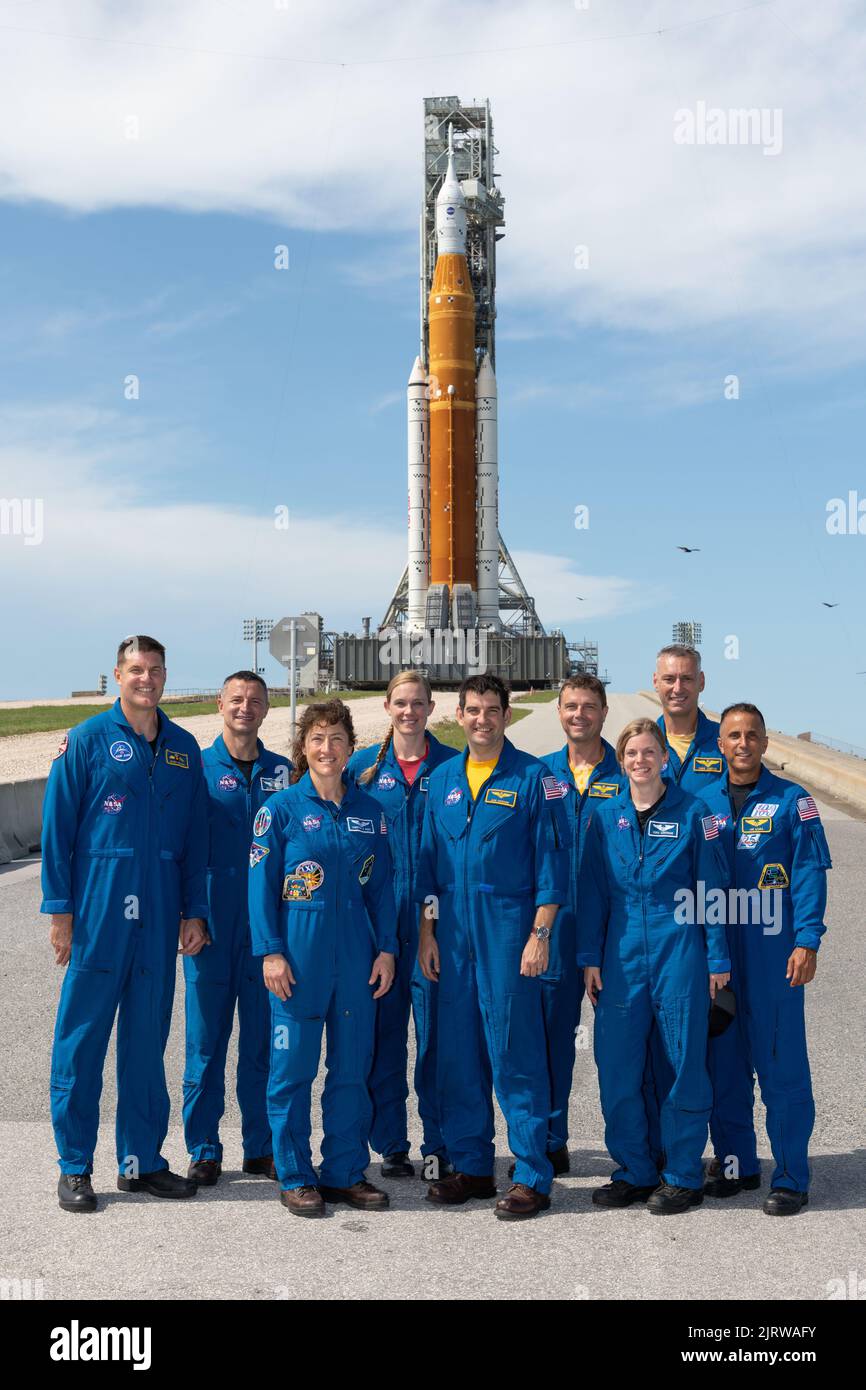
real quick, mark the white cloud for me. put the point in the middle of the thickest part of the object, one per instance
(564, 596)
(246, 108)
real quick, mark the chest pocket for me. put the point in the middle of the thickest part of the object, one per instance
(498, 805)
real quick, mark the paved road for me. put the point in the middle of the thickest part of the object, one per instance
(237, 1242)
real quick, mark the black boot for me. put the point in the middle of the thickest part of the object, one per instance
(205, 1172)
(670, 1201)
(397, 1166)
(162, 1183)
(75, 1192)
(782, 1201)
(620, 1194)
(729, 1187)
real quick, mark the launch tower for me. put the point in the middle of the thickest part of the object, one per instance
(459, 572)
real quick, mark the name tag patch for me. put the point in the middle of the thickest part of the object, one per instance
(603, 789)
(359, 826)
(176, 759)
(500, 796)
(663, 829)
(270, 784)
(773, 876)
(422, 784)
(756, 825)
(702, 764)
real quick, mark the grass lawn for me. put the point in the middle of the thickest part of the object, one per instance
(538, 697)
(37, 719)
(448, 731)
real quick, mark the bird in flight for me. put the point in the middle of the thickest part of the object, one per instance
(690, 549)
(829, 605)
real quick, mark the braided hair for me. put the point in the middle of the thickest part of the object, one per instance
(322, 712)
(401, 678)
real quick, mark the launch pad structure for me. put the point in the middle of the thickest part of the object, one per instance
(460, 605)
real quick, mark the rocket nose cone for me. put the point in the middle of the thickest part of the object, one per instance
(417, 376)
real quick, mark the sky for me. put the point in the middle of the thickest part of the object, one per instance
(680, 343)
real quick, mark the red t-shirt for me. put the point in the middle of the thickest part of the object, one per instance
(410, 769)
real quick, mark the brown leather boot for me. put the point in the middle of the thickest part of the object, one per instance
(303, 1201)
(453, 1192)
(362, 1195)
(521, 1201)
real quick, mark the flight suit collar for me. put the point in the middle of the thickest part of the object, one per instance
(351, 793)
(225, 759)
(120, 719)
(704, 737)
(602, 772)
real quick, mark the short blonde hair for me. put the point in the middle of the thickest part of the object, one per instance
(639, 726)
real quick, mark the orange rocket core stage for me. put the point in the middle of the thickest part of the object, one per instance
(452, 424)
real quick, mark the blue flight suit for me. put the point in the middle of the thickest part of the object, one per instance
(403, 805)
(653, 968)
(702, 767)
(563, 981)
(124, 849)
(777, 843)
(491, 863)
(321, 894)
(703, 764)
(226, 973)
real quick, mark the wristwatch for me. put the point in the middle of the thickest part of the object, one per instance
(542, 933)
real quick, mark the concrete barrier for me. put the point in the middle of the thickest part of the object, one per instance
(818, 769)
(20, 817)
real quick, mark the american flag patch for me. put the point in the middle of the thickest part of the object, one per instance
(711, 830)
(554, 790)
(806, 808)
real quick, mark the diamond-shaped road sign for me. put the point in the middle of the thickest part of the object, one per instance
(306, 639)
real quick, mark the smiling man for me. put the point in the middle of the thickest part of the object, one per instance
(124, 849)
(772, 834)
(493, 856)
(588, 774)
(241, 774)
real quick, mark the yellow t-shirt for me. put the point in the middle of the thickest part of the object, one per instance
(478, 773)
(582, 775)
(681, 743)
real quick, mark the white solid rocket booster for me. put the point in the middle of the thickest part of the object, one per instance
(487, 462)
(417, 419)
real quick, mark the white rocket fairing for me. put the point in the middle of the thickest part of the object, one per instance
(487, 456)
(417, 418)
